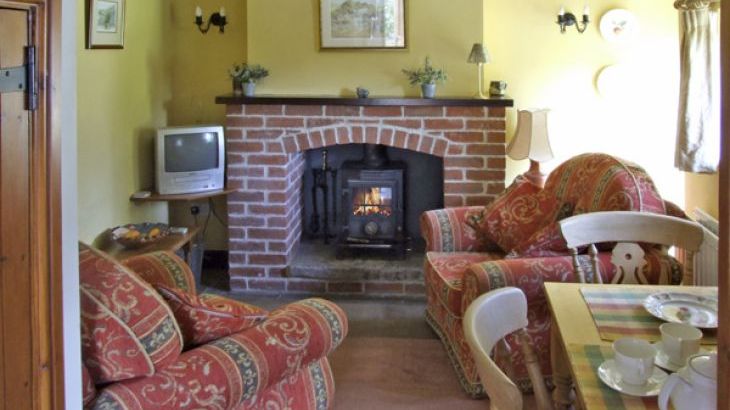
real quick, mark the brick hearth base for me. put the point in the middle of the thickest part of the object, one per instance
(266, 141)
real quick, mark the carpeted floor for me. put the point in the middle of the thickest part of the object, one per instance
(396, 373)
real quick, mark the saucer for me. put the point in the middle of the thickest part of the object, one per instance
(662, 360)
(609, 375)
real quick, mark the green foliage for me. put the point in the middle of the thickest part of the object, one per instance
(248, 73)
(426, 74)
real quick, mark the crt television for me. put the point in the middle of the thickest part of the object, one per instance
(190, 159)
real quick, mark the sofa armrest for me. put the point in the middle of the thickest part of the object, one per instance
(446, 230)
(233, 370)
(529, 274)
(163, 268)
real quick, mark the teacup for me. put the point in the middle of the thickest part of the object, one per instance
(680, 341)
(634, 359)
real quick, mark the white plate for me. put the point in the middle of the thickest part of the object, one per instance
(610, 376)
(662, 360)
(677, 307)
(618, 25)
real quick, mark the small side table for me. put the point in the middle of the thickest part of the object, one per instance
(171, 243)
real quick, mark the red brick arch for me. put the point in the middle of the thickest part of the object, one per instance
(265, 146)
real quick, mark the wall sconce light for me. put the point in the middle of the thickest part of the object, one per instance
(217, 19)
(566, 19)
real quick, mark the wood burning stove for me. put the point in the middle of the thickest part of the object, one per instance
(372, 204)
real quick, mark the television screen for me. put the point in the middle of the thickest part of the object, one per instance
(191, 152)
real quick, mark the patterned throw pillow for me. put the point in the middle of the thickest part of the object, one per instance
(127, 329)
(209, 317)
(547, 241)
(515, 215)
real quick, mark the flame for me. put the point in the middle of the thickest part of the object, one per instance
(371, 202)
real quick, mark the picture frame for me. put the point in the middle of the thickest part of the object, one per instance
(105, 20)
(362, 24)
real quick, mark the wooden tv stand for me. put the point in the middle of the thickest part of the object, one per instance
(155, 197)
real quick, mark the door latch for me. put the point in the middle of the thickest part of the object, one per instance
(22, 79)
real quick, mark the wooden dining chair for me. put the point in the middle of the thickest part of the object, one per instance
(627, 229)
(488, 319)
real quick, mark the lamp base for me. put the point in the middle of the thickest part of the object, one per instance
(534, 174)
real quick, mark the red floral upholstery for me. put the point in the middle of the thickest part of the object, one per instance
(127, 330)
(209, 317)
(163, 268)
(521, 210)
(247, 369)
(457, 270)
(277, 363)
(450, 230)
(88, 390)
(445, 271)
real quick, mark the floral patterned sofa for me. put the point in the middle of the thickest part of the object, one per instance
(516, 241)
(149, 342)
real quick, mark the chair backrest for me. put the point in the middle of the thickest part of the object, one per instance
(488, 319)
(627, 228)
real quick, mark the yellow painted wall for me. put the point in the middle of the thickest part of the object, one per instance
(167, 74)
(199, 73)
(122, 97)
(703, 191)
(283, 36)
(545, 68)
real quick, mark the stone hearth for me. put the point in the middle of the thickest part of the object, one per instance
(266, 141)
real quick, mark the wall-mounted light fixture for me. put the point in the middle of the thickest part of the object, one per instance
(217, 19)
(566, 19)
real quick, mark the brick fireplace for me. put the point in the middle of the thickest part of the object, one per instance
(266, 140)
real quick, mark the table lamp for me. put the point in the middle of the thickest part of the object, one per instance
(479, 56)
(531, 141)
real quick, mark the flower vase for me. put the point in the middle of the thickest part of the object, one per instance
(249, 89)
(428, 90)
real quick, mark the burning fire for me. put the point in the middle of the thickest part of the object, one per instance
(373, 201)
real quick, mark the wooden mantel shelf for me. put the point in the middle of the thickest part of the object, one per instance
(231, 99)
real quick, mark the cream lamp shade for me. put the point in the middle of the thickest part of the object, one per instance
(531, 138)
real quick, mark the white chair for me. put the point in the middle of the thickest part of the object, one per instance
(627, 228)
(487, 321)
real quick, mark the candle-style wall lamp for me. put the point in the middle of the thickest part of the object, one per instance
(566, 19)
(217, 19)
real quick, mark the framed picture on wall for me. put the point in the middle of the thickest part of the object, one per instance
(105, 23)
(347, 24)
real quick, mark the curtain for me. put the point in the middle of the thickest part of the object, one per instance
(698, 130)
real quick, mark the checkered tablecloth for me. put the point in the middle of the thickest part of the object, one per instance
(619, 312)
(596, 395)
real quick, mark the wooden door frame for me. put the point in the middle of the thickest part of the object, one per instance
(723, 333)
(47, 294)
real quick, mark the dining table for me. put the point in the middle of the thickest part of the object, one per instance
(587, 319)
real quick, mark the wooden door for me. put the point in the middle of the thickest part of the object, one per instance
(16, 336)
(31, 365)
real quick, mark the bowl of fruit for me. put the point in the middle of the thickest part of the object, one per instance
(132, 236)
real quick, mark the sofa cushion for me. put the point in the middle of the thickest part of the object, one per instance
(515, 215)
(547, 241)
(445, 271)
(127, 330)
(209, 317)
(164, 268)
